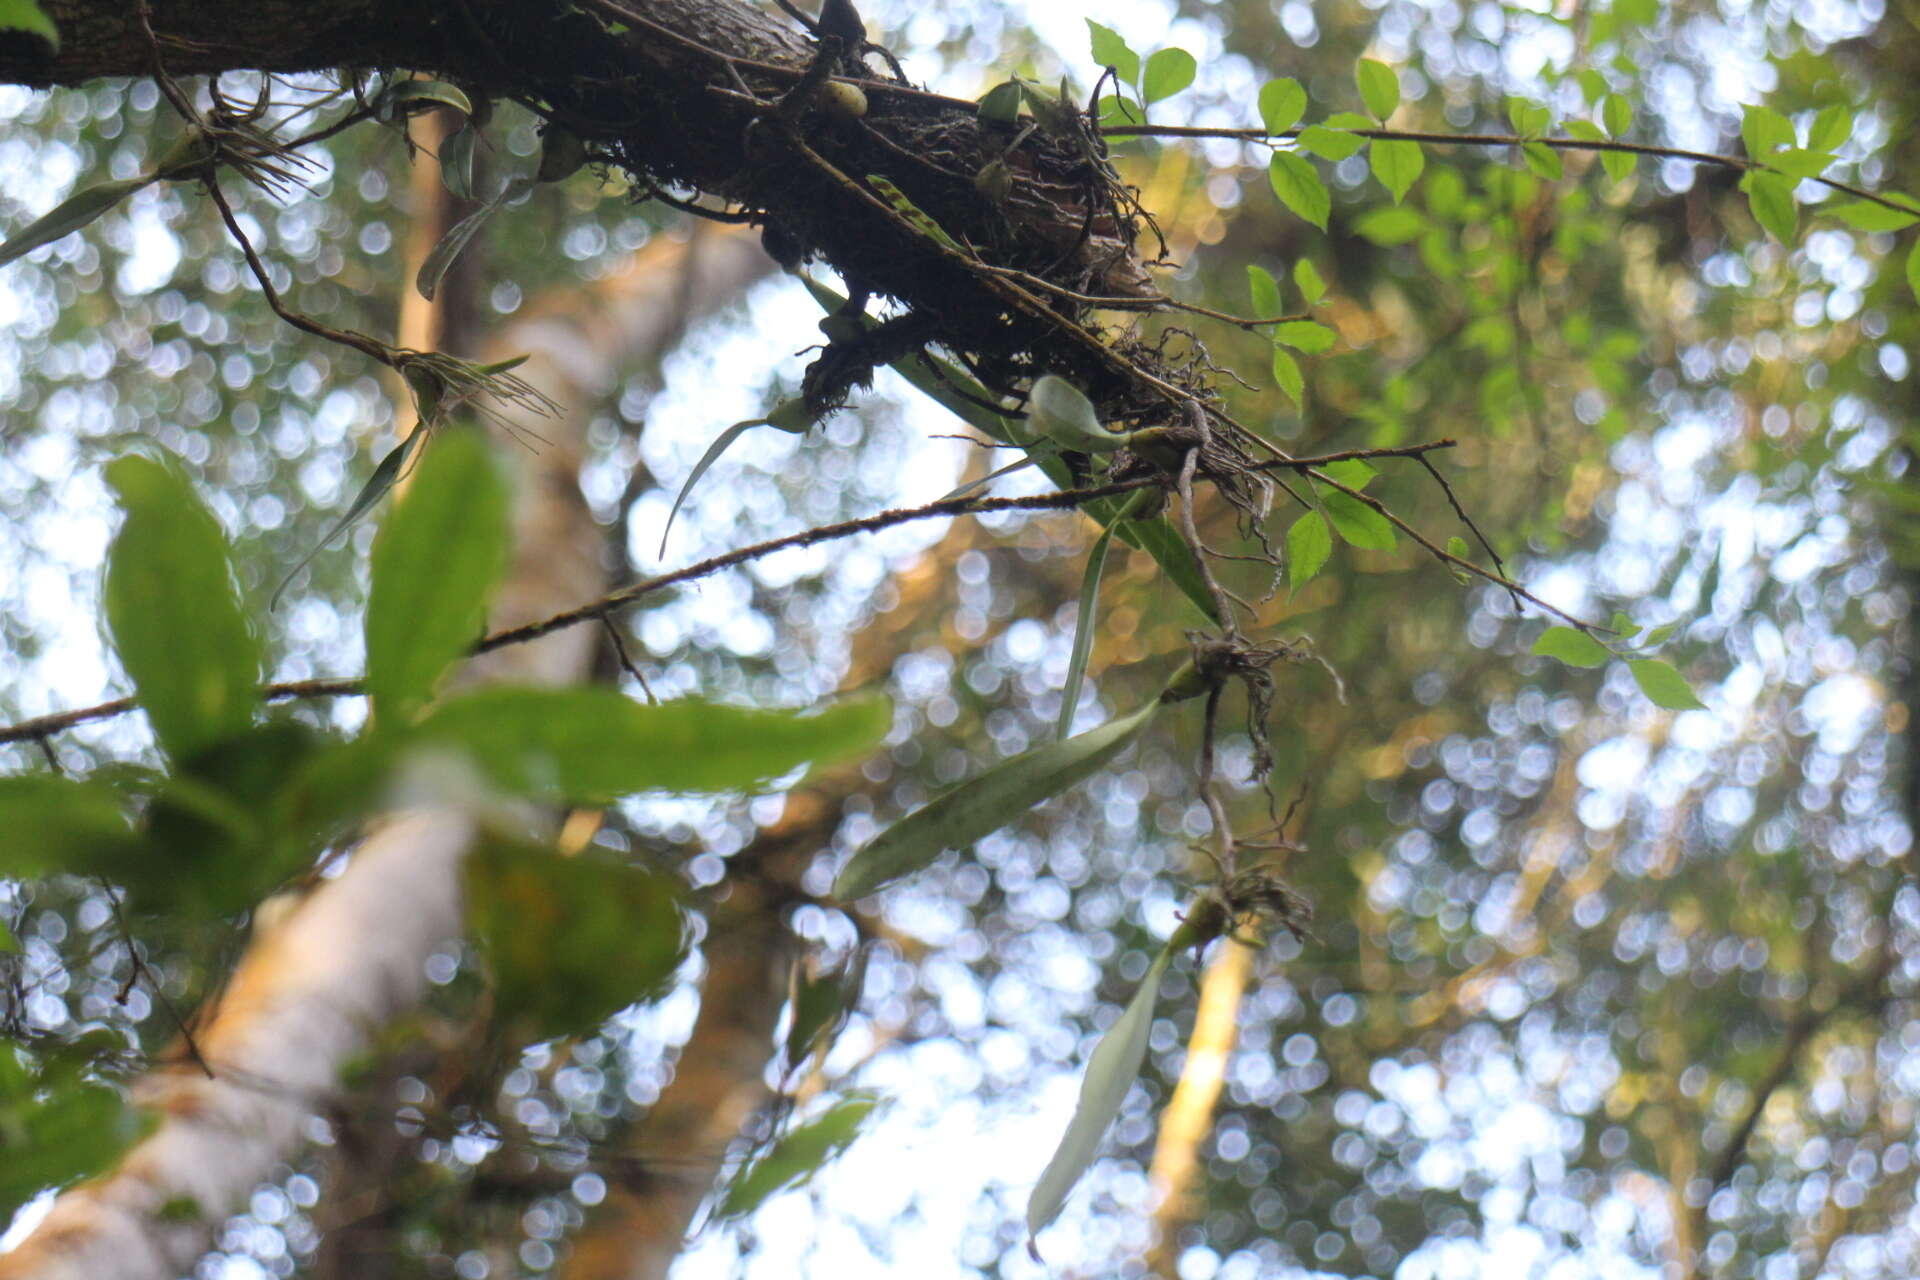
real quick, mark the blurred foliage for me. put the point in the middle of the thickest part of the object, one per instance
(1591, 985)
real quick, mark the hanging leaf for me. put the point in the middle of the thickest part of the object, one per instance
(1058, 411)
(818, 1005)
(721, 443)
(1332, 144)
(435, 564)
(1543, 160)
(1306, 277)
(67, 217)
(987, 479)
(1770, 197)
(1868, 215)
(456, 161)
(384, 477)
(1265, 291)
(1397, 163)
(1299, 187)
(1111, 1071)
(1309, 543)
(1665, 686)
(1287, 376)
(1574, 647)
(592, 746)
(434, 267)
(173, 607)
(982, 805)
(1083, 624)
(795, 1158)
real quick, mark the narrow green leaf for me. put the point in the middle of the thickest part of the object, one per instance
(1083, 631)
(434, 267)
(1543, 160)
(1309, 543)
(1287, 376)
(592, 746)
(1379, 87)
(1359, 524)
(27, 15)
(1660, 635)
(1299, 187)
(1329, 144)
(1109, 50)
(1770, 196)
(1573, 647)
(570, 941)
(721, 443)
(56, 824)
(71, 214)
(983, 804)
(1765, 131)
(1832, 128)
(795, 1157)
(1111, 1071)
(1265, 291)
(1664, 686)
(384, 477)
(435, 564)
(1167, 72)
(1305, 335)
(1282, 103)
(1306, 277)
(1866, 215)
(173, 606)
(818, 1004)
(1397, 163)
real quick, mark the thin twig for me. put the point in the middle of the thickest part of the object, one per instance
(40, 727)
(153, 980)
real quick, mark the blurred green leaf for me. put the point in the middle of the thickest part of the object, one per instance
(1543, 160)
(1867, 215)
(796, 1157)
(1617, 114)
(438, 557)
(57, 1125)
(28, 16)
(570, 941)
(1287, 376)
(1111, 1071)
(55, 824)
(1770, 196)
(67, 217)
(173, 607)
(592, 746)
(985, 803)
(1305, 335)
(378, 485)
(1457, 547)
(1390, 225)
